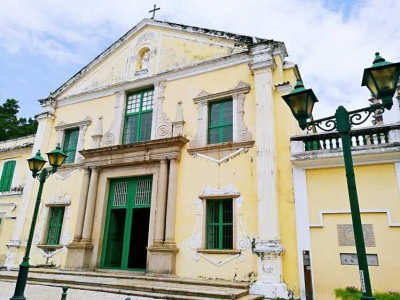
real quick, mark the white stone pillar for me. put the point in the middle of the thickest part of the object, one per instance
(90, 205)
(82, 205)
(45, 125)
(268, 247)
(161, 203)
(171, 204)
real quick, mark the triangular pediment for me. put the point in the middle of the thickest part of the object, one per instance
(150, 48)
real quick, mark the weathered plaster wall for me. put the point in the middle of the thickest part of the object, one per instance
(377, 190)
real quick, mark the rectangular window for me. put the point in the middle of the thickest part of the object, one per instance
(70, 143)
(7, 176)
(138, 116)
(220, 120)
(219, 224)
(55, 223)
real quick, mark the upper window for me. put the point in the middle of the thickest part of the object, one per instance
(219, 224)
(220, 122)
(7, 176)
(138, 116)
(55, 225)
(70, 143)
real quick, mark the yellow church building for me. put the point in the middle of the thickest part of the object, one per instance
(185, 162)
(177, 163)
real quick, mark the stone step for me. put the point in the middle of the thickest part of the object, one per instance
(141, 276)
(144, 286)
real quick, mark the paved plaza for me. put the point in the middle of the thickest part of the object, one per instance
(40, 292)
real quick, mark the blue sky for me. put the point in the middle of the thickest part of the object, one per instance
(331, 40)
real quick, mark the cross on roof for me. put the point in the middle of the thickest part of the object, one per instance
(154, 11)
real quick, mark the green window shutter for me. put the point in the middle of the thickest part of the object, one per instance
(220, 122)
(7, 176)
(219, 224)
(55, 224)
(70, 143)
(138, 117)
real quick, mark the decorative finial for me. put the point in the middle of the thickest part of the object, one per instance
(378, 58)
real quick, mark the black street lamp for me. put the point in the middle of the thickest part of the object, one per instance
(381, 80)
(36, 163)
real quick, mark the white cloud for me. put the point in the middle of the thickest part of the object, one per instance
(332, 48)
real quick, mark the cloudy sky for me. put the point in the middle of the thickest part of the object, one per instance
(45, 42)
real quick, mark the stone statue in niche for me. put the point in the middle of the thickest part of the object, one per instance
(145, 61)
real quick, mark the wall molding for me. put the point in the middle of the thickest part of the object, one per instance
(224, 159)
(347, 211)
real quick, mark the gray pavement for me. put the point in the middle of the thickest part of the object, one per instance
(40, 292)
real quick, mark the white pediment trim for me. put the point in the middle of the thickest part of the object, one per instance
(58, 201)
(241, 88)
(63, 125)
(210, 192)
(170, 75)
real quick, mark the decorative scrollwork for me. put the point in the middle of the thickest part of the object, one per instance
(358, 118)
(324, 125)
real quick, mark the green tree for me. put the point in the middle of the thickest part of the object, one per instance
(11, 126)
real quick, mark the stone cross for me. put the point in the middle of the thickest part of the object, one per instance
(154, 11)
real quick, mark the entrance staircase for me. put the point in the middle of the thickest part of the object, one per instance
(129, 284)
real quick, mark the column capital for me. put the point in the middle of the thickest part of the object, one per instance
(262, 58)
(94, 168)
(48, 108)
(86, 169)
(174, 160)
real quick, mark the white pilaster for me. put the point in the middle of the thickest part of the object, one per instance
(302, 223)
(268, 247)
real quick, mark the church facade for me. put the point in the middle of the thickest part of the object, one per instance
(178, 164)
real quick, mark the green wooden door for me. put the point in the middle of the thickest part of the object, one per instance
(127, 224)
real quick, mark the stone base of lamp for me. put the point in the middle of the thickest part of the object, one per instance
(162, 260)
(78, 256)
(270, 290)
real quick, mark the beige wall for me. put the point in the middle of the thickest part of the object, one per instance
(378, 192)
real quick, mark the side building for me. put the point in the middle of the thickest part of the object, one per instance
(326, 247)
(13, 155)
(178, 161)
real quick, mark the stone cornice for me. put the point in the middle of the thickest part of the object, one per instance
(142, 152)
(241, 88)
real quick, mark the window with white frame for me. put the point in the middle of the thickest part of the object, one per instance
(220, 117)
(71, 137)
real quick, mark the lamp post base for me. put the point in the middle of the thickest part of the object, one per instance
(21, 280)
